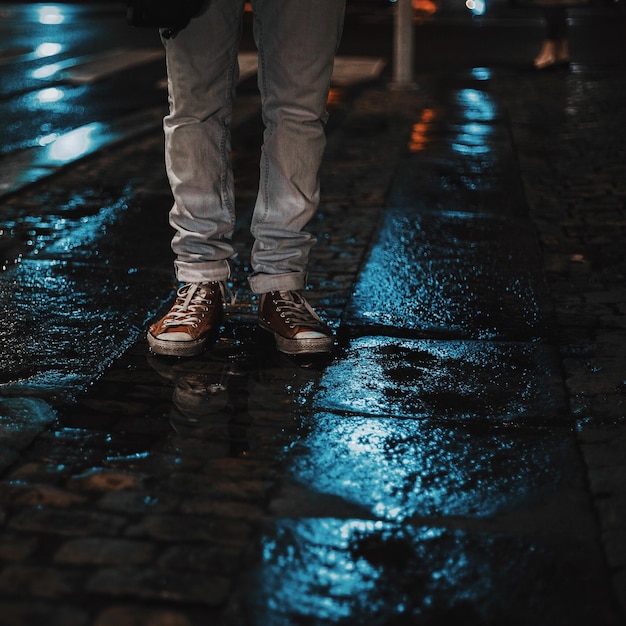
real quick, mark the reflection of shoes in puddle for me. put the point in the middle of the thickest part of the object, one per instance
(209, 402)
(196, 400)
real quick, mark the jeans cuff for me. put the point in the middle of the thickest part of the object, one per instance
(262, 283)
(202, 272)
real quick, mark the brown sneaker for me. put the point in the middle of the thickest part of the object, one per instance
(195, 316)
(296, 327)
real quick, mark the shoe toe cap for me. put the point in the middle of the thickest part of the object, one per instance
(309, 334)
(174, 336)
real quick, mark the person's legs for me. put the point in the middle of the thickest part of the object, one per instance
(558, 33)
(202, 75)
(297, 42)
(556, 22)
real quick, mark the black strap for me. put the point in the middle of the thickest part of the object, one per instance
(169, 15)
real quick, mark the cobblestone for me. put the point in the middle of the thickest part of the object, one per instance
(132, 616)
(35, 611)
(178, 587)
(105, 551)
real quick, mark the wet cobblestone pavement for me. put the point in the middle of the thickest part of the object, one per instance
(462, 456)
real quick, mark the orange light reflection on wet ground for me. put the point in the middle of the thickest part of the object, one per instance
(425, 6)
(419, 133)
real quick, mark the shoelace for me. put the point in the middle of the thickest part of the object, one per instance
(296, 310)
(194, 302)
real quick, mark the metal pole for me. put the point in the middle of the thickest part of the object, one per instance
(404, 46)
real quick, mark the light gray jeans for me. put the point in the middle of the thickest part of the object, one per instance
(297, 41)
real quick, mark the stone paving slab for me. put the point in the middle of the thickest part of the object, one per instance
(452, 274)
(21, 421)
(385, 475)
(92, 322)
(468, 382)
(500, 479)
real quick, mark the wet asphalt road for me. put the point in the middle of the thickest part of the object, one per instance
(461, 455)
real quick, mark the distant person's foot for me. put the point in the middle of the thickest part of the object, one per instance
(553, 55)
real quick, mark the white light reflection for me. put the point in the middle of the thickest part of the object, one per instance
(75, 143)
(477, 104)
(52, 94)
(46, 71)
(46, 140)
(48, 49)
(50, 14)
(477, 7)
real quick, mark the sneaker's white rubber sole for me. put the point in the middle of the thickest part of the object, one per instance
(301, 346)
(176, 348)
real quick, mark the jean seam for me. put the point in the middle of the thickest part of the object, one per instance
(224, 153)
(265, 166)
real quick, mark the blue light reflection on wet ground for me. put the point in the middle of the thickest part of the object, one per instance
(453, 256)
(473, 275)
(52, 108)
(461, 154)
(78, 308)
(62, 229)
(48, 49)
(71, 270)
(431, 480)
(481, 73)
(474, 139)
(440, 457)
(422, 469)
(50, 14)
(452, 380)
(333, 571)
(477, 105)
(38, 77)
(429, 438)
(77, 143)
